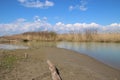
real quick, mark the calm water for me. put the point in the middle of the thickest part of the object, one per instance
(11, 47)
(108, 53)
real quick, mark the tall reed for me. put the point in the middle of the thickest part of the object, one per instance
(86, 36)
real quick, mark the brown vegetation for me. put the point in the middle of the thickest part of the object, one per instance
(86, 36)
(90, 35)
(40, 36)
(30, 36)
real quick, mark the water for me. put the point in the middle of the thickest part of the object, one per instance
(108, 53)
(12, 47)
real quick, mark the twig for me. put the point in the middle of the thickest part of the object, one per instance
(25, 55)
(54, 73)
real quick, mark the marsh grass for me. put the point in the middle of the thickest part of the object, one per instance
(39, 36)
(89, 35)
(107, 37)
(7, 62)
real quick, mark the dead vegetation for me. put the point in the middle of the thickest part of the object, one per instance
(86, 36)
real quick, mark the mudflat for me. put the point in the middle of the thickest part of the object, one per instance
(71, 66)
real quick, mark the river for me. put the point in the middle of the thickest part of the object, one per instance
(108, 53)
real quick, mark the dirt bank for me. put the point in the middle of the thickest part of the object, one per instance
(71, 65)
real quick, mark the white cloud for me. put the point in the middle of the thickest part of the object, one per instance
(39, 24)
(64, 28)
(44, 18)
(20, 20)
(48, 3)
(21, 25)
(81, 6)
(60, 24)
(22, 1)
(111, 28)
(36, 3)
(115, 25)
(37, 19)
(71, 7)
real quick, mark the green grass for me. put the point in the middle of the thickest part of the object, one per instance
(7, 61)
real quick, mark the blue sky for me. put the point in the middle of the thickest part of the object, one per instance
(18, 16)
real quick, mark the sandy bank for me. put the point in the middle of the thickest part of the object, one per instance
(72, 66)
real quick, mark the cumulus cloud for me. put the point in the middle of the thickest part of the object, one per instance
(40, 24)
(81, 27)
(64, 28)
(115, 25)
(37, 19)
(45, 18)
(81, 6)
(36, 3)
(112, 28)
(22, 25)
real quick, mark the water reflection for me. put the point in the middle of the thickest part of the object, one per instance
(40, 44)
(12, 47)
(108, 53)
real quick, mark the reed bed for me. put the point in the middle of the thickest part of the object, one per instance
(107, 37)
(86, 36)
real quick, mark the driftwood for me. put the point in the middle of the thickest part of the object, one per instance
(54, 71)
(25, 55)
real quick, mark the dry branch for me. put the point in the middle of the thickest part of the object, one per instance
(25, 55)
(54, 73)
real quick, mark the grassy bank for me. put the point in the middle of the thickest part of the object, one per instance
(7, 63)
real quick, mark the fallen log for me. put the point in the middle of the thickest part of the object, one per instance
(54, 71)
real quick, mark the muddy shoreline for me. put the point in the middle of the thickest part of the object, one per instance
(71, 65)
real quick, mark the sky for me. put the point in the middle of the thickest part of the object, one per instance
(18, 16)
